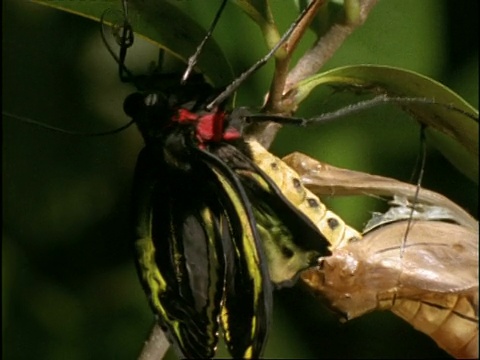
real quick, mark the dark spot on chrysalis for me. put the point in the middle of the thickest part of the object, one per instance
(332, 223)
(296, 183)
(274, 165)
(321, 263)
(353, 239)
(312, 203)
(288, 253)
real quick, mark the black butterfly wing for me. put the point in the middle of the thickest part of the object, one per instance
(292, 242)
(179, 251)
(247, 302)
(199, 257)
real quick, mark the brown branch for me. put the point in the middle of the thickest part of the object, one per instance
(282, 64)
(327, 45)
(310, 63)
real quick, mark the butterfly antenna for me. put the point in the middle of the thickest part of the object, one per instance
(124, 37)
(235, 84)
(192, 61)
(421, 160)
(358, 107)
(67, 132)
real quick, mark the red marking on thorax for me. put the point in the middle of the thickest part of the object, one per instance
(210, 127)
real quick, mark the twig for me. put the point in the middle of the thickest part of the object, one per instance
(281, 64)
(327, 45)
(155, 346)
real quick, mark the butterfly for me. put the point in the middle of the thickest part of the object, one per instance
(213, 232)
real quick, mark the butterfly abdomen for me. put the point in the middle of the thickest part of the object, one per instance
(331, 226)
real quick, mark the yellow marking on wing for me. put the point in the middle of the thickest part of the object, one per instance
(288, 181)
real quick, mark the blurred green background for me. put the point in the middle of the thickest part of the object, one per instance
(70, 289)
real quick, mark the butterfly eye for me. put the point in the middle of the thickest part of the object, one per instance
(151, 99)
(135, 104)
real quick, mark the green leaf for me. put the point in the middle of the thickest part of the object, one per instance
(160, 22)
(449, 129)
(258, 10)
